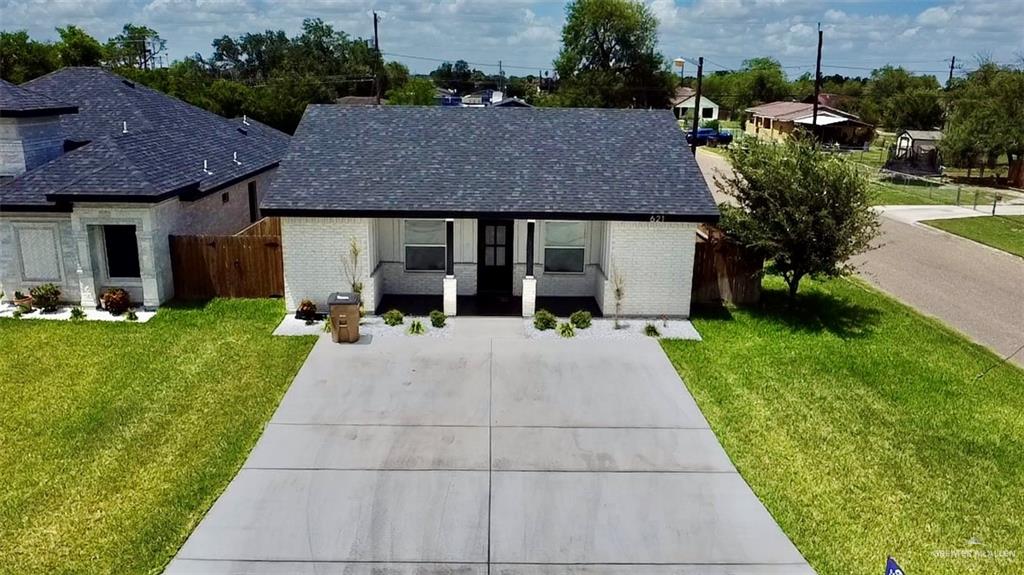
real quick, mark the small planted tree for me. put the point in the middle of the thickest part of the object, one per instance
(806, 210)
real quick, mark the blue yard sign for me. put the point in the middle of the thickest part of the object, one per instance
(892, 568)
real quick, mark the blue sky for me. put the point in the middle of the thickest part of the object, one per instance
(525, 34)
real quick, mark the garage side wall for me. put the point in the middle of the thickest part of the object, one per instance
(317, 259)
(655, 262)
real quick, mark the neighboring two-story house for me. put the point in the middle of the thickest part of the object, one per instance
(97, 171)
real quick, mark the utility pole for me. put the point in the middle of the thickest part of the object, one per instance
(817, 85)
(952, 64)
(376, 48)
(501, 79)
(696, 104)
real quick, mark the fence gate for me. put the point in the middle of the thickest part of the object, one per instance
(243, 265)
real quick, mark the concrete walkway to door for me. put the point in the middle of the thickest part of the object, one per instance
(488, 455)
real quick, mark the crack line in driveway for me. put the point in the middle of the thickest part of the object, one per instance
(490, 445)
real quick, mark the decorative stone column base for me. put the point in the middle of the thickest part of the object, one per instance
(529, 296)
(450, 297)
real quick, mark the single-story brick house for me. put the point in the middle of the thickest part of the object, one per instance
(463, 204)
(96, 172)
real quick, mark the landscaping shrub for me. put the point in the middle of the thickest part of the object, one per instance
(544, 319)
(393, 317)
(327, 324)
(416, 327)
(46, 297)
(651, 330)
(116, 301)
(17, 313)
(77, 313)
(131, 315)
(566, 330)
(306, 311)
(581, 319)
(437, 319)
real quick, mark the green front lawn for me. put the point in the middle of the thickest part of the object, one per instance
(1001, 232)
(863, 428)
(115, 438)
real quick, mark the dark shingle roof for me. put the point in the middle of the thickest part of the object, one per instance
(161, 153)
(530, 162)
(16, 101)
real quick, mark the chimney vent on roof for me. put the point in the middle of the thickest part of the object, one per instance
(245, 120)
(124, 127)
(234, 158)
(206, 169)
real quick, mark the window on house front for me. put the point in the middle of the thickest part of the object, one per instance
(563, 247)
(122, 251)
(424, 245)
(707, 112)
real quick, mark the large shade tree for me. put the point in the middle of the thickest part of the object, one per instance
(609, 56)
(805, 210)
(986, 120)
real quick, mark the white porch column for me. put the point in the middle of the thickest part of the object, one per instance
(529, 282)
(450, 283)
(86, 279)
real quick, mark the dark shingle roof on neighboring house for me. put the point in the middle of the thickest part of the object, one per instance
(19, 102)
(143, 146)
(521, 162)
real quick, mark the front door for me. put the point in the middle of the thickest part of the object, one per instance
(494, 267)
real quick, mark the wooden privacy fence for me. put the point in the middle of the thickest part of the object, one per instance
(724, 271)
(243, 265)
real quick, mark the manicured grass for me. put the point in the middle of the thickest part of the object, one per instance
(115, 438)
(1001, 232)
(863, 428)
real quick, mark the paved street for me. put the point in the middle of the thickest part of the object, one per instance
(975, 289)
(480, 455)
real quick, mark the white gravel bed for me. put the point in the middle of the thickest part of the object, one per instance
(632, 328)
(64, 314)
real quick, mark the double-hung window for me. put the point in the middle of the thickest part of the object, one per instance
(424, 245)
(563, 247)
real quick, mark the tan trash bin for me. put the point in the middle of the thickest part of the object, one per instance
(344, 313)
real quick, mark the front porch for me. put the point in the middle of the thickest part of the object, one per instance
(492, 266)
(486, 305)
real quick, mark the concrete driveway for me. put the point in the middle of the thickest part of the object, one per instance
(482, 455)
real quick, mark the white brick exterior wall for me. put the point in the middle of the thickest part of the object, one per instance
(47, 237)
(316, 256)
(83, 268)
(656, 262)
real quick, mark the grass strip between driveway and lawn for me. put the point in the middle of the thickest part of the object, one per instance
(117, 437)
(862, 427)
(1001, 232)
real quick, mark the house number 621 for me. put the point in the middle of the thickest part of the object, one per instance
(657, 218)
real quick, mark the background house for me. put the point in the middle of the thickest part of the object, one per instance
(685, 100)
(100, 171)
(575, 199)
(779, 120)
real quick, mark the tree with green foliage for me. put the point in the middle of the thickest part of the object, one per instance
(77, 48)
(758, 81)
(22, 58)
(986, 119)
(609, 57)
(415, 92)
(895, 98)
(135, 47)
(805, 210)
